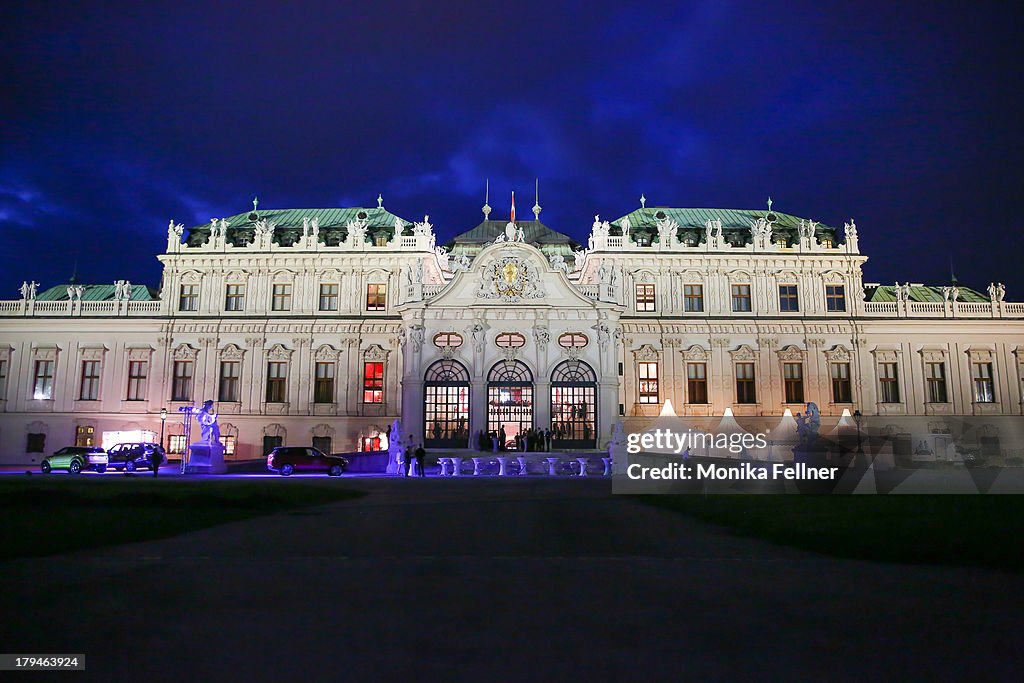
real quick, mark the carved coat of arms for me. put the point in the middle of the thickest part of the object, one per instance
(510, 279)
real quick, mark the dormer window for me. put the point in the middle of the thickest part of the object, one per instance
(450, 340)
(573, 340)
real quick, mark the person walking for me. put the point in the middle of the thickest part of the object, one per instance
(408, 461)
(156, 458)
(420, 454)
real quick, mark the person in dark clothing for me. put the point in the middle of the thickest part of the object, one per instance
(501, 438)
(408, 461)
(420, 454)
(547, 440)
(156, 458)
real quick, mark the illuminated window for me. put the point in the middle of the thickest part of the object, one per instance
(84, 436)
(42, 387)
(827, 243)
(983, 388)
(234, 298)
(176, 443)
(746, 391)
(328, 297)
(571, 340)
(323, 386)
(697, 383)
(937, 383)
(137, 370)
(370, 443)
(788, 301)
(889, 382)
(510, 340)
(793, 378)
(90, 384)
(690, 240)
(181, 387)
(228, 442)
(381, 240)
(741, 298)
(693, 298)
(645, 297)
(376, 297)
(281, 298)
(373, 382)
(277, 381)
(189, 298)
(448, 340)
(835, 298)
(842, 390)
(647, 372)
(230, 374)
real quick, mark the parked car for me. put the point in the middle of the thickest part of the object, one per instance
(129, 457)
(74, 459)
(288, 459)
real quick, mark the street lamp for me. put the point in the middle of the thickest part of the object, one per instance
(163, 419)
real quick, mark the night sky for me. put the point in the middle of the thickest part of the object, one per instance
(121, 116)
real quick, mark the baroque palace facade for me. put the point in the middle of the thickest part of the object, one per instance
(323, 326)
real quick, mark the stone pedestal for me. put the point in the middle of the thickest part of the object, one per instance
(206, 458)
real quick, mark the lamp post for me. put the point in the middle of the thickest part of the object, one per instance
(163, 420)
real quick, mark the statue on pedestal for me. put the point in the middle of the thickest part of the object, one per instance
(205, 456)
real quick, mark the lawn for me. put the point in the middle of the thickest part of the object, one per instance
(47, 515)
(955, 530)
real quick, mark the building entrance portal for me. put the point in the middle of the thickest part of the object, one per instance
(509, 400)
(446, 405)
(573, 405)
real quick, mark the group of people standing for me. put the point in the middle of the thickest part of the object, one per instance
(535, 440)
(412, 458)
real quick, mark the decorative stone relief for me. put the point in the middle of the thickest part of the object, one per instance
(185, 352)
(838, 354)
(232, 352)
(695, 353)
(375, 352)
(510, 278)
(743, 353)
(646, 353)
(791, 354)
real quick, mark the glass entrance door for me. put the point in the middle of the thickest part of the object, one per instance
(509, 401)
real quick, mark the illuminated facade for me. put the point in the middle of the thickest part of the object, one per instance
(322, 326)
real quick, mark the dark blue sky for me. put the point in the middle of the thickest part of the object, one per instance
(120, 116)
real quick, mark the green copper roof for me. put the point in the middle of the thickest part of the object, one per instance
(922, 293)
(328, 218)
(96, 293)
(696, 218)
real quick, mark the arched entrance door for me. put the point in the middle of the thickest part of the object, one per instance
(446, 405)
(573, 405)
(509, 399)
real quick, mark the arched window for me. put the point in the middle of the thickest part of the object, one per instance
(446, 405)
(574, 405)
(509, 399)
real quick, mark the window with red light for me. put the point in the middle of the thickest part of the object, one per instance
(373, 382)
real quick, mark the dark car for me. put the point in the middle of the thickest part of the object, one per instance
(288, 459)
(128, 457)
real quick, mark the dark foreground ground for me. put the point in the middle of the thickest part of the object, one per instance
(500, 580)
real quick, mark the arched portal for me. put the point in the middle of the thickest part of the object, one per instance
(573, 405)
(509, 399)
(446, 405)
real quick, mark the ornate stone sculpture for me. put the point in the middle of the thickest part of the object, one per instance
(478, 332)
(207, 419)
(510, 278)
(667, 230)
(625, 225)
(542, 336)
(557, 262)
(28, 290)
(808, 423)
